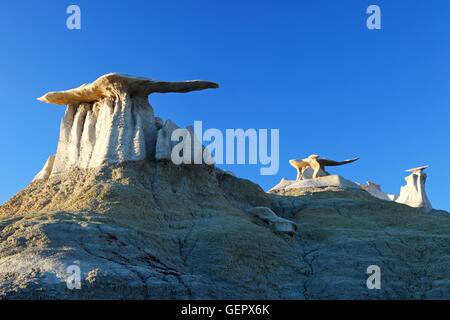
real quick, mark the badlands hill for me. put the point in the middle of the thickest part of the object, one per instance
(141, 227)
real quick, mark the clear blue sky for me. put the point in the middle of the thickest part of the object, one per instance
(310, 68)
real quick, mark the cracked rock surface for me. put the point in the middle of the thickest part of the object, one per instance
(153, 230)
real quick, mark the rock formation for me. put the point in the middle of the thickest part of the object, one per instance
(311, 175)
(413, 193)
(304, 171)
(110, 121)
(46, 170)
(375, 190)
(278, 224)
(331, 181)
(317, 164)
(164, 144)
(140, 227)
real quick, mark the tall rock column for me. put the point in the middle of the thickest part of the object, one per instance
(110, 121)
(413, 193)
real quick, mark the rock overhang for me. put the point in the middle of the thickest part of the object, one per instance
(111, 121)
(113, 84)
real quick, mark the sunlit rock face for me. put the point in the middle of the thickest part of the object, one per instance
(305, 185)
(110, 121)
(105, 132)
(375, 190)
(413, 193)
(46, 170)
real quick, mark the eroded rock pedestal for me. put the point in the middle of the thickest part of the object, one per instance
(412, 194)
(110, 121)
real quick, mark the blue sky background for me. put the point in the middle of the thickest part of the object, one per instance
(310, 68)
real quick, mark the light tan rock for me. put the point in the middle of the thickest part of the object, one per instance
(304, 171)
(110, 121)
(115, 84)
(317, 164)
(46, 170)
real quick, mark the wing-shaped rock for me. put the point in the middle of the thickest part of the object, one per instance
(113, 84)
(330, 163)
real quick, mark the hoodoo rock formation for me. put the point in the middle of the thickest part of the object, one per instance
(412, 194)
(139, 226)
(110, 121)
(311, 175)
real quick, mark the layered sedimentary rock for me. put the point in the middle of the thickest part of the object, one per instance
(110, 121)
(155, 230)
